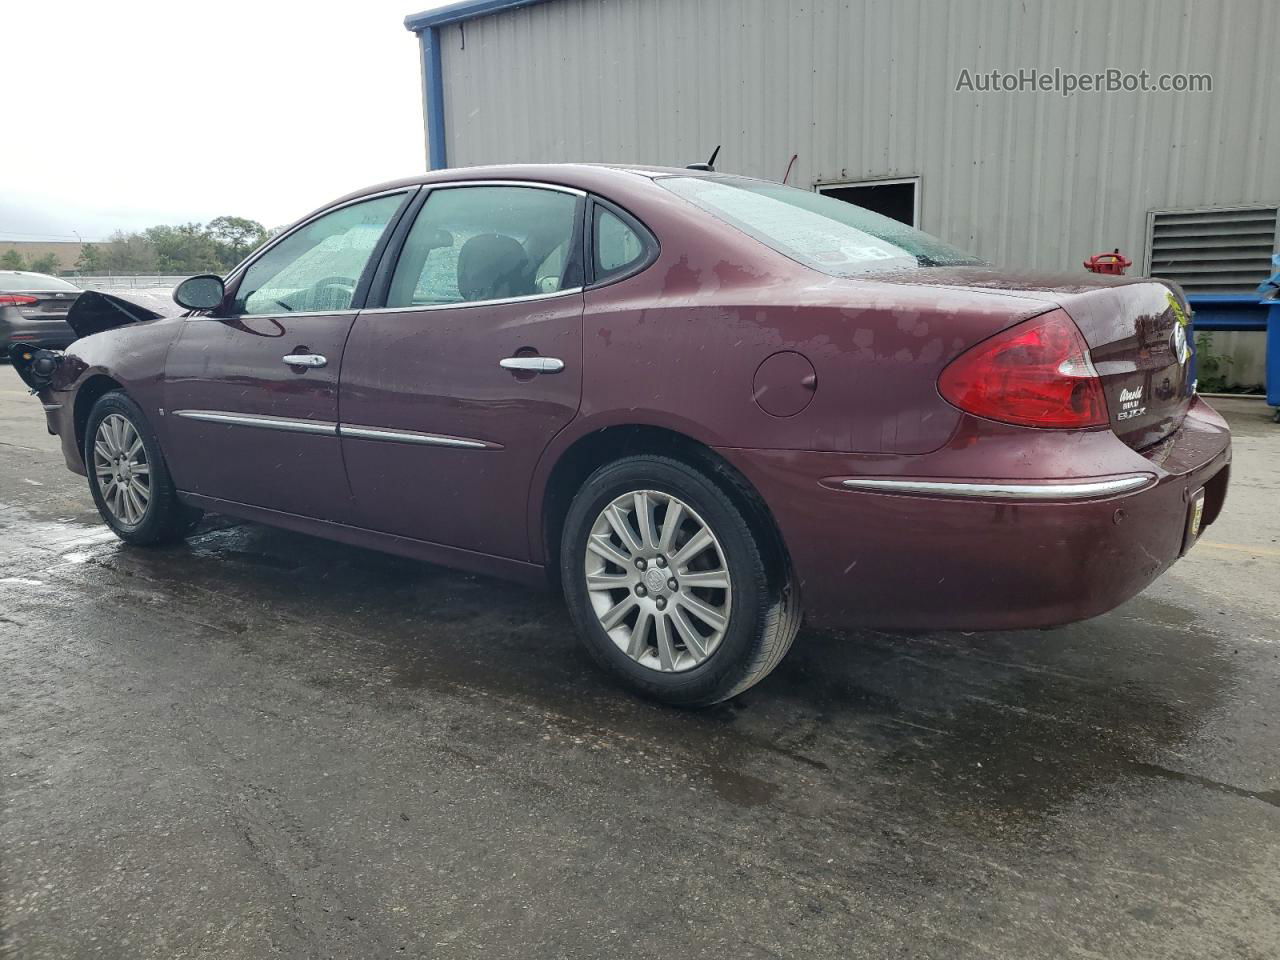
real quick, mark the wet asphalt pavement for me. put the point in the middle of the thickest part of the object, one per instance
(260, 744)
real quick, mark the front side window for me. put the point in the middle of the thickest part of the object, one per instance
(471, 244)
(821, 232)
(317, 268)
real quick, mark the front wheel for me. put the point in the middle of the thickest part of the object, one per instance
(670, 586)
(128, 476)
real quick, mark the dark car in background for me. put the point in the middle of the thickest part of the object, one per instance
(33, 310)
(698, 403)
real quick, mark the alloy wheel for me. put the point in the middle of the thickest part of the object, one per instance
(658, 581)
(121, 468)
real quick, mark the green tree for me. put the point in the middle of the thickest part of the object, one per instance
(88, 261)
(45, 264)
(235, 237)
(12, 260)
(128, 253)
(187, 248)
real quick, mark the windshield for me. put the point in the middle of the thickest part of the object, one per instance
(826, 234)
(33, 282)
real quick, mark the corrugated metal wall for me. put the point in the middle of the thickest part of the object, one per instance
(866, 88)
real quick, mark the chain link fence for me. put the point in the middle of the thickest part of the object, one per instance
(150, 281)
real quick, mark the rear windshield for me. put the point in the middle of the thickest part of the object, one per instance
(32, 282)
(821, 232)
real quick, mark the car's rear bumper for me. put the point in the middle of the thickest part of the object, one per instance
(923, 557)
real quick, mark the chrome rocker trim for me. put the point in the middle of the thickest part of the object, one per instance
(1011, 491)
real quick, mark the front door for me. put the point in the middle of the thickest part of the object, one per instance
(251, 394)
(453, 389)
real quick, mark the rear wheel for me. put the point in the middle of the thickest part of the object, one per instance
(669, 585)
(128, 476)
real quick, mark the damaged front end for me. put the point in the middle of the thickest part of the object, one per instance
(36, 366)
(93, 312)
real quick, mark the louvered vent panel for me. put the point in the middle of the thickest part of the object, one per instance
(1214, 251)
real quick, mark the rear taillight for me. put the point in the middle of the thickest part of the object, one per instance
(1035, 374)
(16, 300)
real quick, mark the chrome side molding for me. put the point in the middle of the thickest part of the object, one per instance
(324, 428)
(1081, 490)
(411, 436)
(287, 424)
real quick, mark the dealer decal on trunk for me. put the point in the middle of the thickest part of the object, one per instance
(1129, 400)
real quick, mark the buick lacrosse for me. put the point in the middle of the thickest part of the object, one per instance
(697, 403)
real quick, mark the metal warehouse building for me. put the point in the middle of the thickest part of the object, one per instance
(863, 95)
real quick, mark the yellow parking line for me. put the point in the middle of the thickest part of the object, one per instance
(1242, 548)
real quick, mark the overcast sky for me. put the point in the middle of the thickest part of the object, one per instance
(125, 114)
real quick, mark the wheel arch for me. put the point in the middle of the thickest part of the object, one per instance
(87, 395)
(576, 462)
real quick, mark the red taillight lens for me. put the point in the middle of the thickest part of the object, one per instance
(1035, 374)
(16, 300)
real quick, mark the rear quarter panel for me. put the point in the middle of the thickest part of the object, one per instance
(680, 343)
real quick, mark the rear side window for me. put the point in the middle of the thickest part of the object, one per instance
(318, 267)
(617, 245)
(472, 244)
(818, 231)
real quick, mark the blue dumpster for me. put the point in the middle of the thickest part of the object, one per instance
(1247, 311)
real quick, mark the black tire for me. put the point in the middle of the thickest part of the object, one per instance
(765, 612)
(164, 518)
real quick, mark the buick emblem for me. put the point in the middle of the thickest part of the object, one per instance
(655, 580)
(1178, 343)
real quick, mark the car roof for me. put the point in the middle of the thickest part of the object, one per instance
(593, 177)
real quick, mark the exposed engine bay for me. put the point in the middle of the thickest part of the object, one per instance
(93, 312)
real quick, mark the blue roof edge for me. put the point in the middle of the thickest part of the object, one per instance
(460, 11)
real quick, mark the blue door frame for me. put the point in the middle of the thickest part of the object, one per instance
(427, 26)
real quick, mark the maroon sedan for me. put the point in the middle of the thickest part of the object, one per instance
(695, 401)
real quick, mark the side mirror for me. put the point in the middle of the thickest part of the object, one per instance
(204, 292)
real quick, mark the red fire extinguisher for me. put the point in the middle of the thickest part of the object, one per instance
(1114, 263)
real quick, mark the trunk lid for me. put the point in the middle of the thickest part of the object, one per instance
(1137, 329)
(48, 305)
(1140, 341)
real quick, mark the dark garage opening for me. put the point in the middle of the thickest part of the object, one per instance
(893, 199)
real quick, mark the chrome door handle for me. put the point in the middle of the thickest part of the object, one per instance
(532, 364)
(304, 360)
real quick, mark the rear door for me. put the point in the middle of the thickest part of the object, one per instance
(454, 387)
(251, 393)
